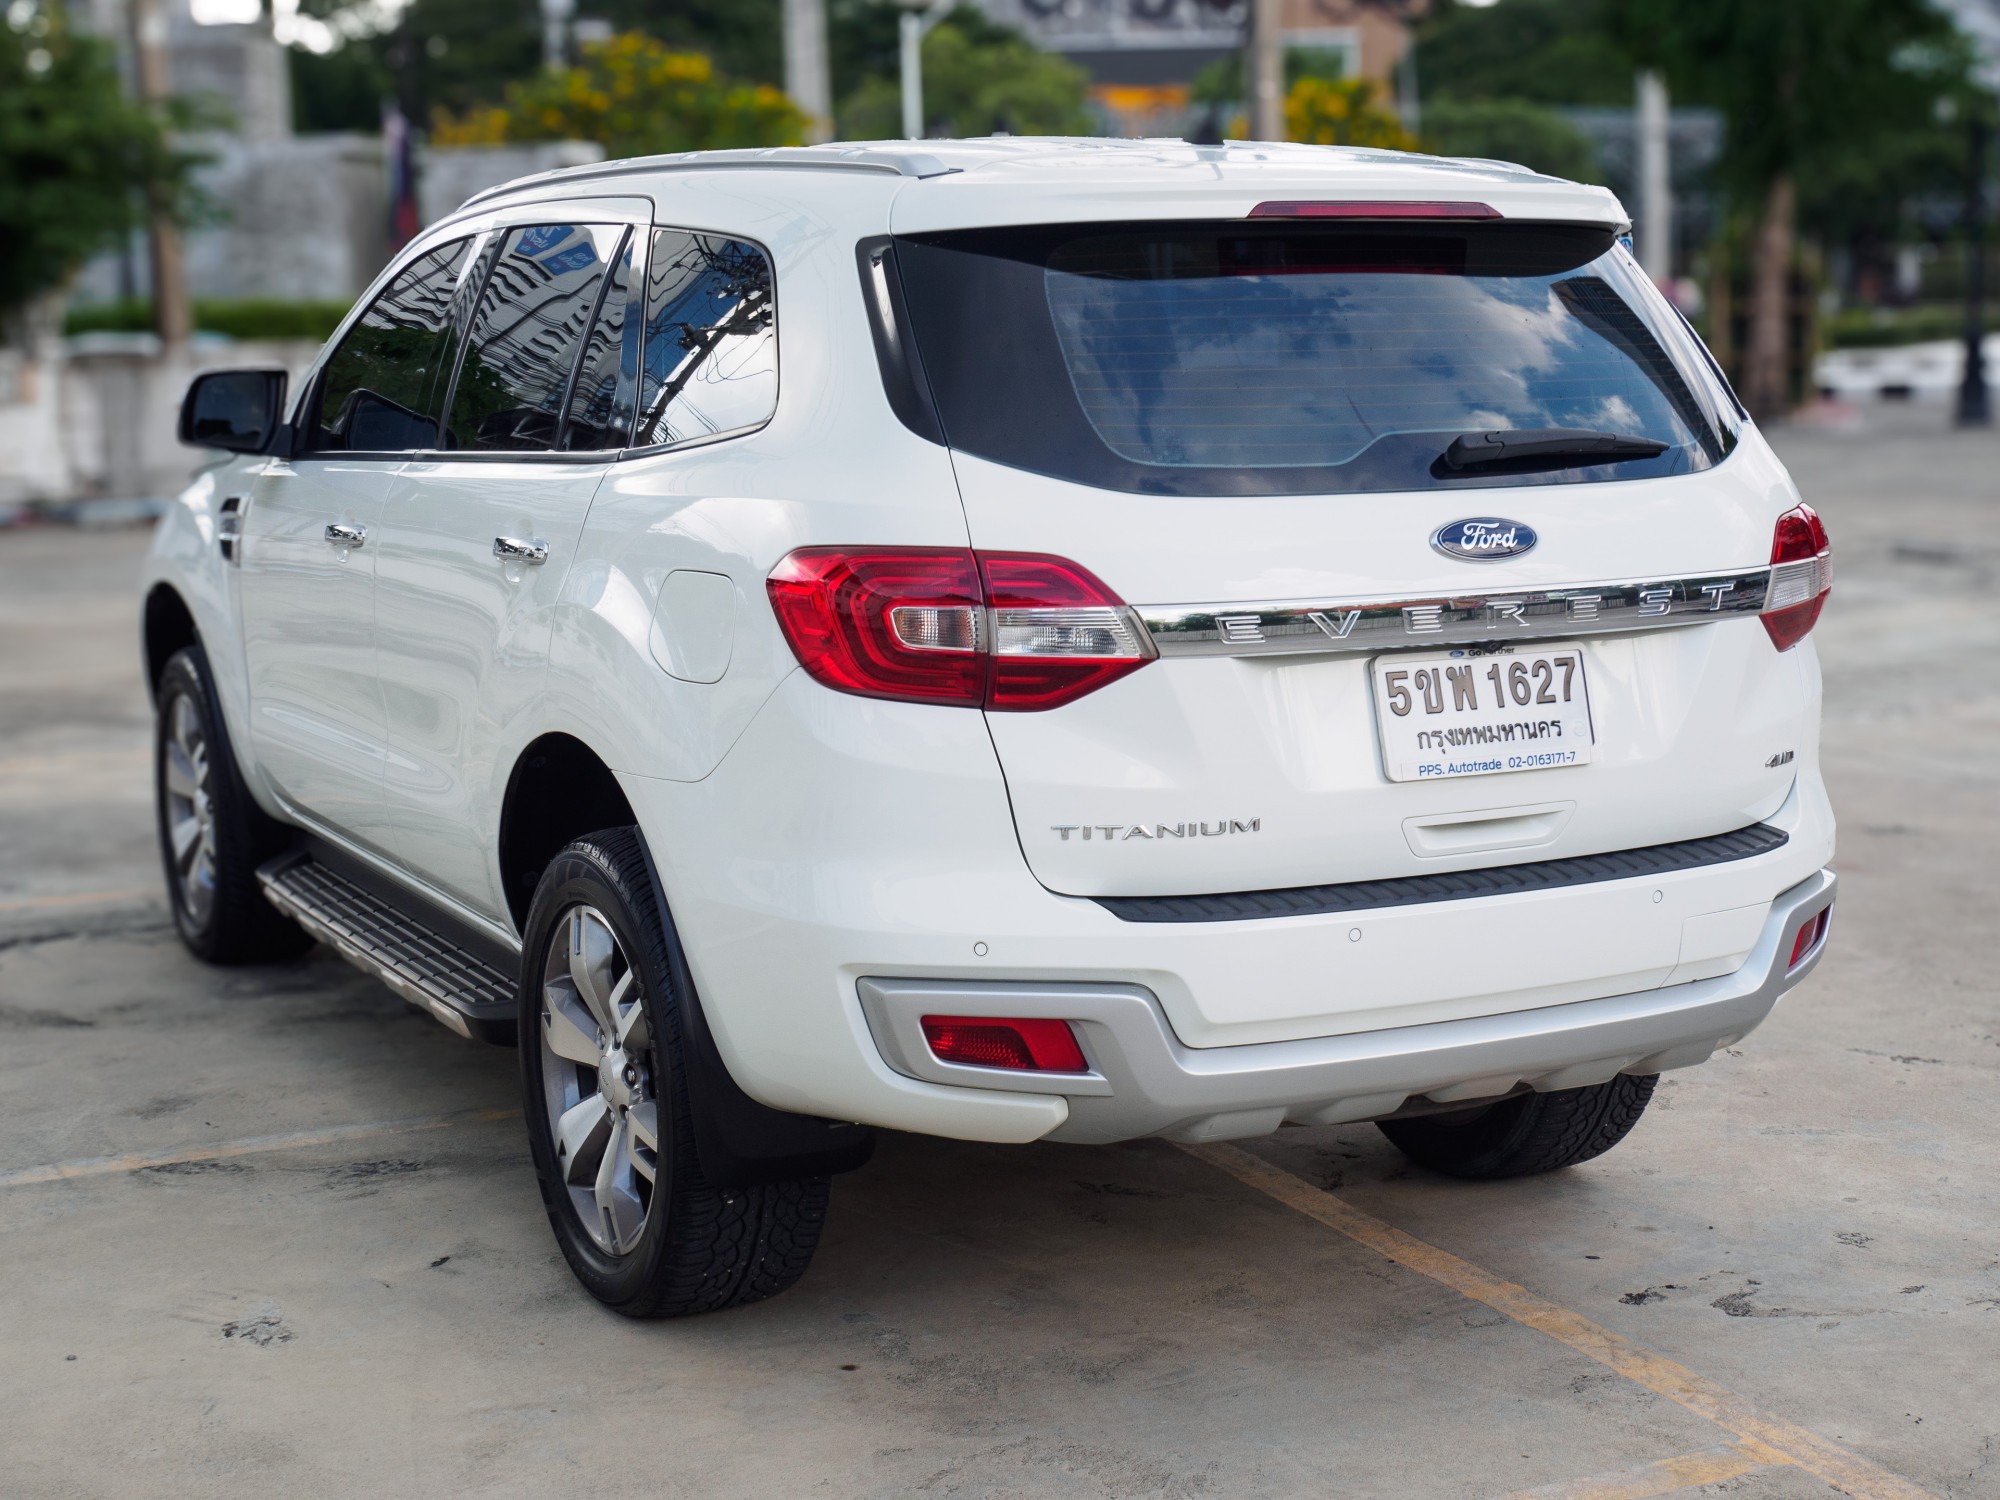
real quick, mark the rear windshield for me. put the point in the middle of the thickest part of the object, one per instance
(1246, 358)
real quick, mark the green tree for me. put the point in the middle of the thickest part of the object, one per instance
(80, 162)
(635, 97)
(1539, 51)
(978, 78)
(1532, 135)
(1807, 88)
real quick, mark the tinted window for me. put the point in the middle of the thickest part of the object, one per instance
(1287, 359)
(385, 382)
(540, 295)
(600, 412)
(710, 364)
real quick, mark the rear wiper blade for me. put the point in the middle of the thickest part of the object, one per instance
(1555, 447)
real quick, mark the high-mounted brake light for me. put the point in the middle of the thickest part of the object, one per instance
(1336, 209)
(1008, 631)
(1801, 577)
(1029, 1046)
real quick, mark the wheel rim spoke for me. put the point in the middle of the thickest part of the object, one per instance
(182, 779)
(186, 731)
(631, 1014)
(567, 1025)
(642, 1136)
(186, 836)
(618, 1205)
(582, 1134)
(592, 949)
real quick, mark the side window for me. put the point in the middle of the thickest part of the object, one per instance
(710, 360)
(543, 290)
(600, 412)
(384, 384)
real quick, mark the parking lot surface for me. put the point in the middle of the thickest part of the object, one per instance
(272, 1232)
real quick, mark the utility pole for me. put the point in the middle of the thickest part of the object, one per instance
(1974, 410)
(173, 319)
(1266, 72)
(555, 33)
(806, 73)
(916, 25)
(1656, 188)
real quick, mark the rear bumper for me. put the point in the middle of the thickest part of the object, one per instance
(1144, 1082)
(845, 838)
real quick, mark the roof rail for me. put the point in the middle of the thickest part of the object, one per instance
(884, 158)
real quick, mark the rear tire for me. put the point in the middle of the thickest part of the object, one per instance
(212, 834)
(605, 1093)
(1527, 1134)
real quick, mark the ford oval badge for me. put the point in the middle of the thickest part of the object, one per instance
(1484, 537)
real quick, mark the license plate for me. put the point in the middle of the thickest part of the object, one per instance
(1456, 714)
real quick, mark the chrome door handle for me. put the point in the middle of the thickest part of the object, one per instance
(532, 550)
(340, 534)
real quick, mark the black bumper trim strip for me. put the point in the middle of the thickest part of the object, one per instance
(1457, 885)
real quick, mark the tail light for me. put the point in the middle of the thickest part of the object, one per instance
(1029, 1046)
(1801, 577)
(1009, 631)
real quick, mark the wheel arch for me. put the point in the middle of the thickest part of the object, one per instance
(167, 627)
(559, 790)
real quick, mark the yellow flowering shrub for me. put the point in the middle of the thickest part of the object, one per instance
(635, 97)
(1343, 112)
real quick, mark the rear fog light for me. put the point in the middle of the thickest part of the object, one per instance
(1028, 1046)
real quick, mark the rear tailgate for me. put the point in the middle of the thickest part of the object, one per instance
(1247, 429)
(1222, 773)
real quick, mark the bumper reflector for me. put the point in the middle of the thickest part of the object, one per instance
(1029, 1046)
(1809, 936)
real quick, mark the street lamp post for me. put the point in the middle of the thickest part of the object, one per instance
(1974, 409)
(916, 25)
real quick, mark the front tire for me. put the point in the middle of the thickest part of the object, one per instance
(212, 833)
(1526, 1134)
(609, 1120)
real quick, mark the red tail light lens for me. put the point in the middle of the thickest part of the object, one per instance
(1036, 1046)
(1801, 577)
(894, 622)
(1009, 631)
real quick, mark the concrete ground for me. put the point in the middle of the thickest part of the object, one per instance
(273, 1232)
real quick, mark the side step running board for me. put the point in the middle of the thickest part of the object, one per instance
(422, 965)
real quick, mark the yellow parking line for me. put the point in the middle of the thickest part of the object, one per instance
(1667, 1477)
(98, 1166)
(1785, 1442)
(77, 898)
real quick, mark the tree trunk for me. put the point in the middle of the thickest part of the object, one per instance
(1766, 362)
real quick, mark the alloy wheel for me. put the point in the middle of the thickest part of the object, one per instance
(190, 809)
(602, 1110)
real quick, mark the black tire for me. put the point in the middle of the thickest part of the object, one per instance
(218, 905)
(1527, 1134)
(700, 1248)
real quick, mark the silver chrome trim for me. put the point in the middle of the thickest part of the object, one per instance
(1285, 627)
(1145, 1082)
(531, 550)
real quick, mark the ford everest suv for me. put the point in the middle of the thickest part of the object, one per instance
(1012, 640)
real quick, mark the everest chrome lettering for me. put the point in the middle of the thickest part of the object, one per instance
(1318, 625)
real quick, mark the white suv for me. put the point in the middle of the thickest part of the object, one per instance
(1012, 640)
